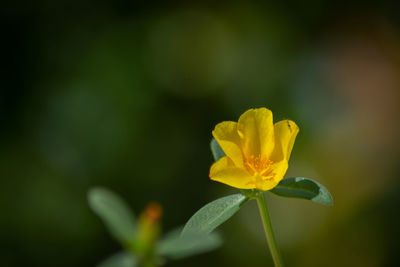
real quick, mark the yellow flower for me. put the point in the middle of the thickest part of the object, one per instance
(257, 151)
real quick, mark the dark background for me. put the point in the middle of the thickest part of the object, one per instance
(125, 95)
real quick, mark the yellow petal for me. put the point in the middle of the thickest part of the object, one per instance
(285, 135)
(227, 137)
(256, 130)
(266, 184)
(224, 171)
(279, 170)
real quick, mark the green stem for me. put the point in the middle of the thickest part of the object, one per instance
(273, 247)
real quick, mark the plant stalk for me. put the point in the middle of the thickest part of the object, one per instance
(273, 247)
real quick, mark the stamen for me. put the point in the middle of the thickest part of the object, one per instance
(259, 165)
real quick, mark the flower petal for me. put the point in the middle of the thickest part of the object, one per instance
(279, 170)
(255, 127)
(224, 171)
(285, 135)
(227, 137)
(266, 184)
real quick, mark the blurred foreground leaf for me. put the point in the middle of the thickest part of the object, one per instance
(121, 259)
(213, 214)
(114, 212)
(216, 150)
(300, 187)
(175, 246)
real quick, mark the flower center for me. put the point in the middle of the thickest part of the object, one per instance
(259, 165)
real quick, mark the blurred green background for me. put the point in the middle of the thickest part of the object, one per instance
(125, 95)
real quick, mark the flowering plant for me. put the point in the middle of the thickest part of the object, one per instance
(252, 155)
(141, 238)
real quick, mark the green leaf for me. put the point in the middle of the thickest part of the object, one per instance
(114, 212)
(121, 259)
(216, 150)
(300, 187)
(176, 246)
(213, 214)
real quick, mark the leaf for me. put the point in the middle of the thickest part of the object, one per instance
(216, 150)
(114, 212)
(121, 259)
(300, 187)
(176, 246)
(213, 214)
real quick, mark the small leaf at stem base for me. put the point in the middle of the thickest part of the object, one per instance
(216, 150)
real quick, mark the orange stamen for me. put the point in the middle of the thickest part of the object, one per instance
(259, 165)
